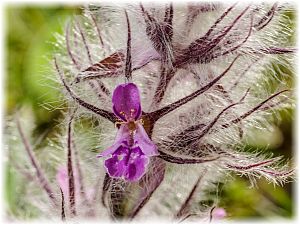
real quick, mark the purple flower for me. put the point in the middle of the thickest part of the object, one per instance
(129, 155)
(218, 214)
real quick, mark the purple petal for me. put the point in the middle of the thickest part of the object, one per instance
(144, 142)
(116, 165)
(137, 165)
(62, 179)
(127, 163)
(115, 168)
(219, 213)
(126, 102)
(123, 135)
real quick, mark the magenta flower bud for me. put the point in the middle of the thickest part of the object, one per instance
(218, 214)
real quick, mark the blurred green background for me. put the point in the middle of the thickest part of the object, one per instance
(30, 37)
(30, 42)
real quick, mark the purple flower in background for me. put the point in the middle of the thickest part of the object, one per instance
(62, 179)
(218, 214)
(132, 148)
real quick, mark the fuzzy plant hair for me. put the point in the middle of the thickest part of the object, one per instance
(209, 74)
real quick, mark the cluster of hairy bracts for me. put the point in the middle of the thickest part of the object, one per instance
(208, 74)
